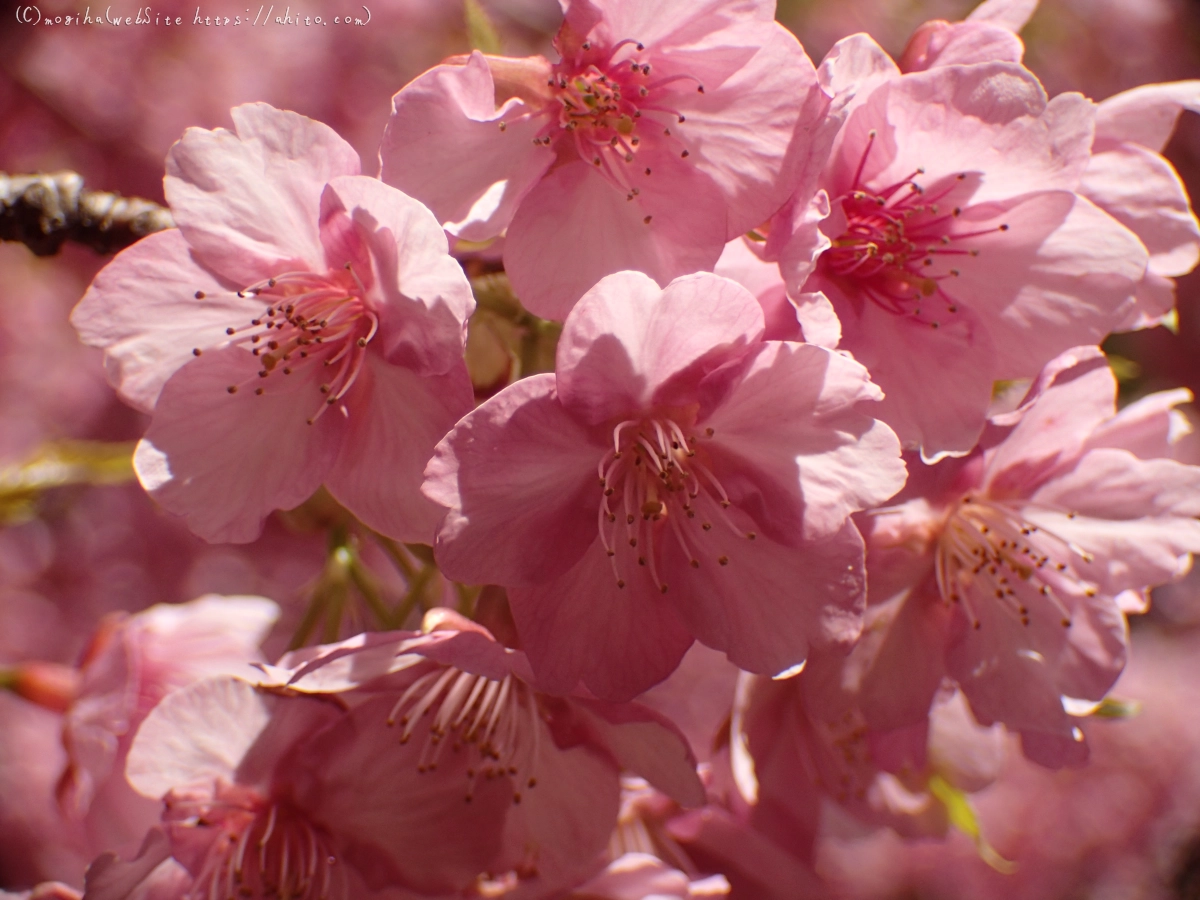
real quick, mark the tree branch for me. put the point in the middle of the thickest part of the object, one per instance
(43, 211)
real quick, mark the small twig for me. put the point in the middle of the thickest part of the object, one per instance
(44, 211)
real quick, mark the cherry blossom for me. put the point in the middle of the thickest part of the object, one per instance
(1009, 571)
(303, 326)
(977, 263)
(662, 132)
(677, 478)
(533, 778)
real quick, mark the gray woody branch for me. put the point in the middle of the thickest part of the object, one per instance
(43, 211)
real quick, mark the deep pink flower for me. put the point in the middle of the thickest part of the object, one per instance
(678, 478)
(663, 131)
(953, 269)
(1009, 571)
(533, 780)
(303, 326)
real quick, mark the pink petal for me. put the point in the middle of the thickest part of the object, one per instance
(1143, 192)
(666, 23)
(581, 627)
(518, 477)
(747, 133)
(1145, 115)
(443, 145)
(770, 602)
(852, 69)
(908, 665)
(563, 823)
(225, 461)
(650, 745)
(741, 264)
(941, 43)
(426, 299)
(574, 227)
(1058, 277)
(1073, 394)
(791, 447)
(1149, 428)
(1010, 14)
(197, 735)
(629, 346)
(142, 310)
(395, 418)
(110, 878)
(362, 784)
(248, 201)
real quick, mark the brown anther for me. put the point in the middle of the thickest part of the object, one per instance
(646, 221)
(195, 351)
(229, 331)
(232, 389)
(200, 295)
(259, 391)
(723, 560)
(684, 155)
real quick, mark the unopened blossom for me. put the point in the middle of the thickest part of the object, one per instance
(677, 478)
(661, 132)
(963, 246)
(494, 783)
(303, 326)
(1010, 571)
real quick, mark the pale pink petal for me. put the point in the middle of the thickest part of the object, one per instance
(819, 321)
(582, 627)
(1149, 428)
(1074, 393)
(991, 118)
(506, 472)
(792, 448)
(575, 226)
(1011, 14)
(248, 201)
(443, 145)
(770, 602)
(796, 240)
(636, 876)
(852, 69)
(1059, 276)
(667, 23)
(197, 735)
(1145, 115)
(1154, 300)
(1143, 192)
(150, 308)
(941, 43)
(644, 742)
(395, 418)
(741, 264)
(903, 354)
(363, 784)
(426, 299)
(227, 460)
(629, 346)
(745, 134)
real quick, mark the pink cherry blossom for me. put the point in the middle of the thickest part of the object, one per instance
(532, 778)
(662, 132)
(1129, 179)
(957, 268)
(677, 478)
(1010, 571)
(303, 326)
(133, 662)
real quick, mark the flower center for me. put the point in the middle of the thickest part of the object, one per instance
(990, 558)
(498, 721)
(654, 484)
(309, 319)
(602, 102)
(898, 239)
(261, 850)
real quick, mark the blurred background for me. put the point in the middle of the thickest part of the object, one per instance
(108, 101)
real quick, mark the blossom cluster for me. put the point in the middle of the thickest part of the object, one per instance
(818, 497)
